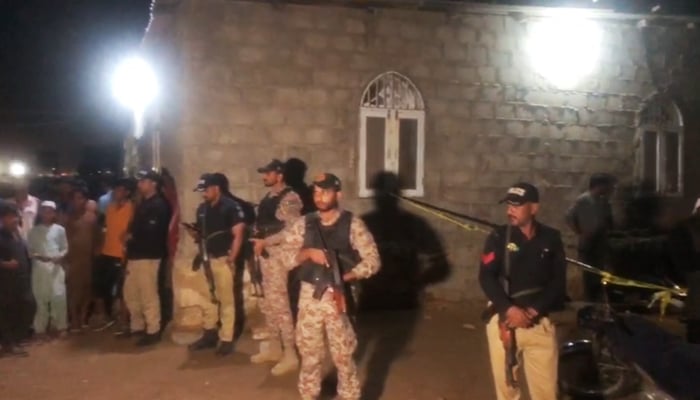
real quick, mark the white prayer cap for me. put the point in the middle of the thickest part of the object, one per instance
(49, 204)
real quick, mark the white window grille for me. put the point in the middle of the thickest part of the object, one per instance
(661, 131)
(392, 133)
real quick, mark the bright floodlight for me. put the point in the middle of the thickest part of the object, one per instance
(17, 169)
(564, 49)
(135, 84)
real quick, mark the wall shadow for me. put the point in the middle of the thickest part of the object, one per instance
(638, 248)
(295, 176)
(390, 303)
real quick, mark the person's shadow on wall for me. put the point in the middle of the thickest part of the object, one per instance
(390, 303)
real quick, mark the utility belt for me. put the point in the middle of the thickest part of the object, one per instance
(490, 310)
(315, 275)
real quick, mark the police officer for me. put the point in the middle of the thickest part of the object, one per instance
(280, 206)
(220, 225)
(330, 228)
(146, 247)
(523, 290)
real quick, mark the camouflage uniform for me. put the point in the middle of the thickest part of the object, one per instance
(275, 305)
(319, 316)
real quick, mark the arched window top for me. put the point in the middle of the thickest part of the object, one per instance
(660, 125)
(661, 113)
(391, 90)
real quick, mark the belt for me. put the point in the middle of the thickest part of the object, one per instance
(526, 292)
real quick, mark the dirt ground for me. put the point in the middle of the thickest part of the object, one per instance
(422, 355)
(438, 353)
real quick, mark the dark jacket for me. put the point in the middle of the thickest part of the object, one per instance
(149, 230)
(536, 264)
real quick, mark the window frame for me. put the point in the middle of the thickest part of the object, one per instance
(392, 115)
(662, 132)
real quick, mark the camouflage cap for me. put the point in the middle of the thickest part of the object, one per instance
(327, 180)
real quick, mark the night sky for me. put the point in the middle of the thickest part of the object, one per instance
(55, 56)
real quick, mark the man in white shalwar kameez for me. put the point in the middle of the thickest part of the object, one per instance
(48, 245)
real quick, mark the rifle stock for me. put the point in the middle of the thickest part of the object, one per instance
(511, 349)
(339, 295)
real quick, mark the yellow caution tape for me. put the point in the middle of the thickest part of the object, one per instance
(664, 294)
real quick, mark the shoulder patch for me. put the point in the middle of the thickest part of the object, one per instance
(488, 258)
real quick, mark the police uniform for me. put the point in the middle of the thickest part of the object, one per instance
(275, 211)
(215, 223)
(537, 280)
(319, 318)
(146, 248)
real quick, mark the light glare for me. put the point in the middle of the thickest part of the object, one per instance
(564, 49)
(134, 84)
(18, 169)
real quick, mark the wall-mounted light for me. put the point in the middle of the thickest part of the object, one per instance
(564, 49)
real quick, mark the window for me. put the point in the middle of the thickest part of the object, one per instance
(392, 133)
(661, 133)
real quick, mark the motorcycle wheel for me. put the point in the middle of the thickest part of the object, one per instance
(586, 373)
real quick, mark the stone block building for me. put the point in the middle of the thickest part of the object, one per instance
(459, 100)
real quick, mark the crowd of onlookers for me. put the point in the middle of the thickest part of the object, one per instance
(61, 258)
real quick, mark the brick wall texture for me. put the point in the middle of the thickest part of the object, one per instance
(246, 82)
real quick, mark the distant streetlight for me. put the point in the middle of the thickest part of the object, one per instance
(135, 86)
(18, 169)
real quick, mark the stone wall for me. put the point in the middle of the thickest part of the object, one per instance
(254, 81)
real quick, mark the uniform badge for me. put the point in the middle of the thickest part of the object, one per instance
(512, 247)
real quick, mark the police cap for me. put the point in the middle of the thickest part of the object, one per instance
(521, 193)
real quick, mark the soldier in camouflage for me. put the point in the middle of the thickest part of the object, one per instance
(276, 210)
(320, 318)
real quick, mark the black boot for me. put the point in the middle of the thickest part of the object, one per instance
(148, 339)
(207, 341)
(225, 348)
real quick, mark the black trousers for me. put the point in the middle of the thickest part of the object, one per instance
(17, 308)
(105, 279)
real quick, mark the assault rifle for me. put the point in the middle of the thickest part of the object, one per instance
(255, 270)
(202, 259)
(507, 333)
(342, 297)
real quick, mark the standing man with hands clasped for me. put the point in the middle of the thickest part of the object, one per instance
(523, 274)
(220, 226)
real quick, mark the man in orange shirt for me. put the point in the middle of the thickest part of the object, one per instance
(109, 266)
